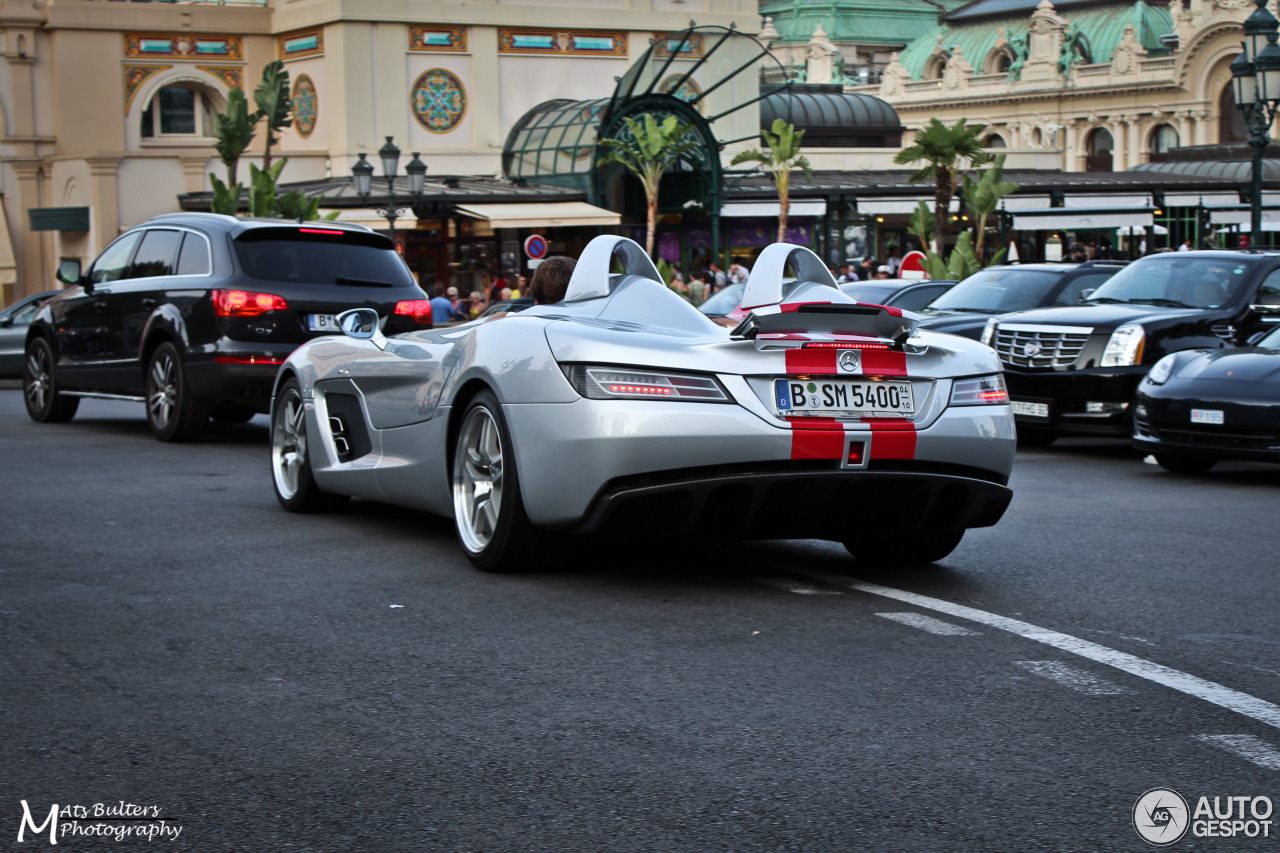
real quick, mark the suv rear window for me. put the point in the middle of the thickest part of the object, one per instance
(1194, 282)
(998, 291)
(311, 257)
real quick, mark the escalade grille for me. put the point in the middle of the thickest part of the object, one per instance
(1053, 347)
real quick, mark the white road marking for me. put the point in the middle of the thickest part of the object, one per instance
(1224, 697)
(1247, 747)
(1069, 676)
(928, 623)
(789, 585)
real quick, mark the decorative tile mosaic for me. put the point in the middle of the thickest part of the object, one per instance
(664, 44)
(688, 90)
(563, 42)
(438, 39)
(306, 105)
(135, 76)
(438, 100)
(182, 46)
(300, 44)
(231, 75)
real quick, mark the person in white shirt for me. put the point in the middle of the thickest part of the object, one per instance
(738, 273)
(1186, 245)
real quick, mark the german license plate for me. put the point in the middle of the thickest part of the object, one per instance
(1028, 409)
(843, 396)
(1207, 416)
(322, 323)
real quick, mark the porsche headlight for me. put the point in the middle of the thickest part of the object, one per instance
(1163, 369)
(624, 383)
(981, 391)
(988, 332)
(1125, 346)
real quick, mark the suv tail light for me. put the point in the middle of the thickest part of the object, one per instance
(417, 309)
(246, 303)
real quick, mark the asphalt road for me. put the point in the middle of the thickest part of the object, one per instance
(170, 638)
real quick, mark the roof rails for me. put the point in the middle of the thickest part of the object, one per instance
(221, 217)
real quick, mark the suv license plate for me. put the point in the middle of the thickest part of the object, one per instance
(1029, 410)
(843, 397)
(1207, 416)
(322, 323)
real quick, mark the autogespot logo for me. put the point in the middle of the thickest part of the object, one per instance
(1160, 816)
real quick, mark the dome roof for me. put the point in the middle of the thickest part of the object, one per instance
(848, 111)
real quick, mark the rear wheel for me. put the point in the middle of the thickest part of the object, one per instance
(487, 508)
(45, 404)
(1180, 463)
(173, 413)
(924, 546)
(291, 475)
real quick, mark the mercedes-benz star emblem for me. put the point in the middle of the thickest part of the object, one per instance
(848, 361)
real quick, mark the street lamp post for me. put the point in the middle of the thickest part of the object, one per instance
(1255, 77)
(391, 210)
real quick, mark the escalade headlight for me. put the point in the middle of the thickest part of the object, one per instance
(1163, 369)
(980, 391)
(1125, 346)
(988, 332)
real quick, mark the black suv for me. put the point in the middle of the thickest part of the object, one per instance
(1075, 370)
(192, 314)
(964, 309)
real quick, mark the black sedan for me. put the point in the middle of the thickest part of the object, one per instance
(1196, 407)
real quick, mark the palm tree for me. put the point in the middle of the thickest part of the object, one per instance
(651, 148)
(983, 196)
(783, 156)
(274, 104)
(946, 151)
(233, 130)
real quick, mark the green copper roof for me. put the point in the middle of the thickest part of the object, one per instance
(1103, 25)
(861, 21)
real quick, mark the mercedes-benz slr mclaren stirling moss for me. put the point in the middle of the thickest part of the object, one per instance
(624, 413)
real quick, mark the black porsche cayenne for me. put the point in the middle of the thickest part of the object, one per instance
(191, 314)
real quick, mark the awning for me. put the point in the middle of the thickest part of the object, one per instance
(540, 214)
(883, 206)
(771, 209)
(1197, 199)
(364, 216)
(1096, 201)
(8, 266)
(1058, 221)
(1241, 217)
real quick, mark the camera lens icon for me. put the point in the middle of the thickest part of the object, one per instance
(1161, 816)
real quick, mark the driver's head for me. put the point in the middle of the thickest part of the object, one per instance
(551, 280)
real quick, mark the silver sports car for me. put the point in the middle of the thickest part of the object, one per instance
(623, 412)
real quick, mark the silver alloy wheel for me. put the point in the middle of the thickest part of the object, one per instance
(289, 444)
(477, 479)
(163, 394)
(38, 369)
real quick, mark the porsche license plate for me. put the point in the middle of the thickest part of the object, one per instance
(843, 396)
(1207, 416)
(322, 323)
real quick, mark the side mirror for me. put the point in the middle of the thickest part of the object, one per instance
(1085, 294)
(361, 324)
(1257, 336)
(6, 322)
(1266, 310)
(69, 272)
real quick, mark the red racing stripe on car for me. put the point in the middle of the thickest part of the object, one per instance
(812, 360)
(893, 438)
(883, 363)
(816, 438)
(891, 311)
(791, 307)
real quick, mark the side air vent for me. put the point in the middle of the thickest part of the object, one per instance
(347, 425)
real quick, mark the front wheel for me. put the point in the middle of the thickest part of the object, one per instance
(487, 508)
(910, 549)
(291, 475)
(45, 404)
(173, 413)
(1183, 464)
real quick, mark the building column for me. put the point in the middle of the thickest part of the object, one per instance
(32, 276)
(103, 190)
(1133, 155)
(193, 169)
(1070, 138)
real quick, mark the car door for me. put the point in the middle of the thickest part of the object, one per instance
(401, 385)
(130, 303)
(80, 317)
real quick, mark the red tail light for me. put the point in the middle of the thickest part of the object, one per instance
(246, 303)
(418, 309)
(333, 231)
(844, 345)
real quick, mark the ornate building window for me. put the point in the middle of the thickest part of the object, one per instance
(998, 61)
(937, 64)
(1099, 150)
(179, 110)
(1164, 137)
(1231, 127)
(995, 140)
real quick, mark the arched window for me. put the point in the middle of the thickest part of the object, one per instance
(1231, 127)
(995, 140)
(1100, 146)
(1163, 138)
(178, 110)
(998, 61)
(936, 65)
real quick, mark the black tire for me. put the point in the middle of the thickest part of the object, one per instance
(229, 413)
(1035, 438)
(173, 413)
(45, 403)
(496, 534)
(291, 476)
(909, 549)
(1181, 463)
